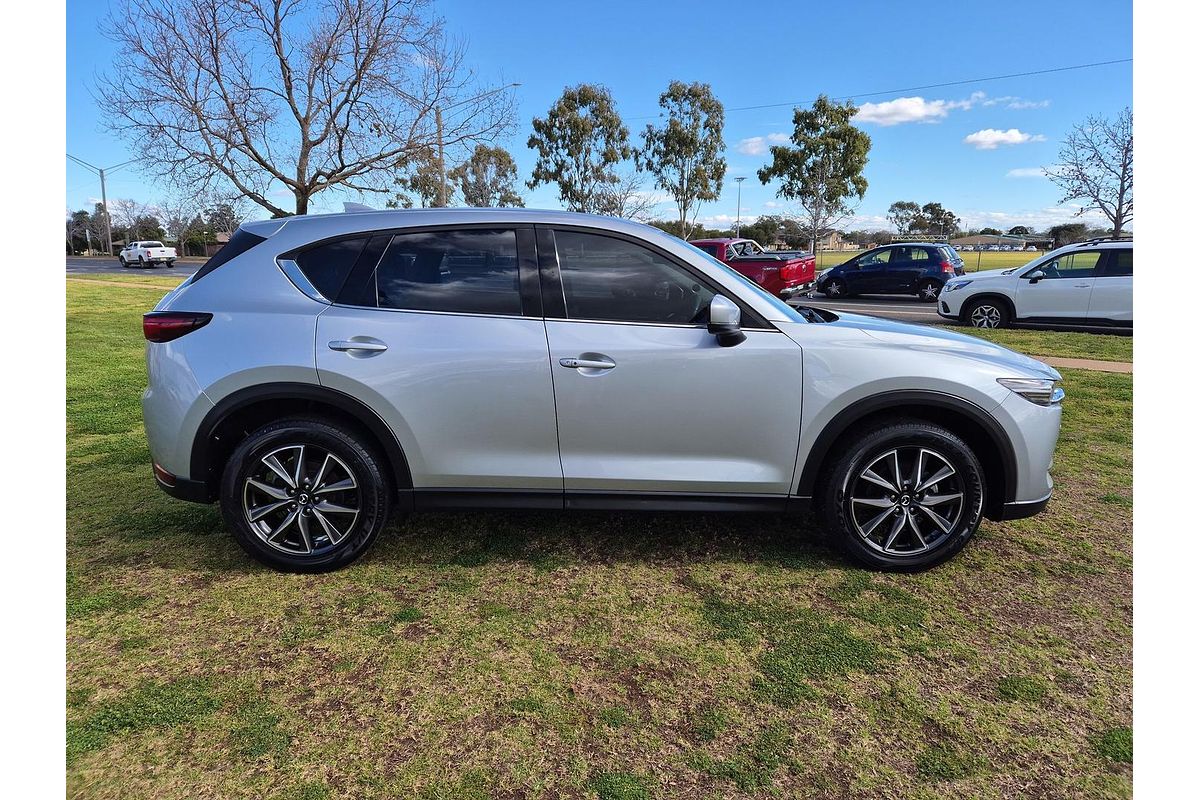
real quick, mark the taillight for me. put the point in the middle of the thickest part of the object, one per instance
(788, 273)
(165, 326)
(947, 267)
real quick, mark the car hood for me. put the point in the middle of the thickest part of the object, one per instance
(943, 342)
(991, 273)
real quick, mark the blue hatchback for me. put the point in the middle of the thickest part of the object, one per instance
(918, 268)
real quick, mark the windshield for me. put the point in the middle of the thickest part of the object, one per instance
(791, 313)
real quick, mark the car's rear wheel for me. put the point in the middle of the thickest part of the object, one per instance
(928, 290)
(987, 313)
(906, 495)
(835, 287)
(304, 495)
(141, 262)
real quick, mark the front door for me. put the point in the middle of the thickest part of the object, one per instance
(647, 401)
(433, 331)
(1065, 291)
(870, 272)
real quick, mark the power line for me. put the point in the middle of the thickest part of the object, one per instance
(926, 86)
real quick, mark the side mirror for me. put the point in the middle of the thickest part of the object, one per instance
(1035, 276)
(725, 321)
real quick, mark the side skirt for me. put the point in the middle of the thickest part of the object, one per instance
(457, 499)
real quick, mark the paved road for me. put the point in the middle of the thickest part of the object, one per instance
(86, 266)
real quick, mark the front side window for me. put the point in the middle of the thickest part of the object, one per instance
(466, 272)
(1073, 265)
(875, 259)
(610, 279)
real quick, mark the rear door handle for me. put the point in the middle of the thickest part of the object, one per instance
(586, 363)
(346, 346)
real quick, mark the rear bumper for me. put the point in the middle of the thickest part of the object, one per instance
(185, 489)
(800, 288)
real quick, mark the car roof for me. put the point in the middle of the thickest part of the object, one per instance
(318, 226)
(719, 240)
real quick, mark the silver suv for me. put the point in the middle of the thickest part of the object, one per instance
(321, 373)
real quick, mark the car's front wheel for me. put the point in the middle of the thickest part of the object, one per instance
(834, 287)
(124, 263)
(987, 313)
(305, 495)
(906, 495)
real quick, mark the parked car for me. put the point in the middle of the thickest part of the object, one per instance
(903, 268)
(146, 255)
(1088, 283)
(782, 273)
(321, 373)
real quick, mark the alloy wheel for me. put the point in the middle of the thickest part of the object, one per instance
(301, 499)
(906, 501)
(834, 289)
(929, 291)
(985, 316)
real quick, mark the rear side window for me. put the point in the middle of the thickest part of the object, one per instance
(1120, 264)
(240, 242)
(328, 265)
(466, 272)
(712, 249)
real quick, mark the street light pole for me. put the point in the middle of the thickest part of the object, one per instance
(739, 214)
(101, 171)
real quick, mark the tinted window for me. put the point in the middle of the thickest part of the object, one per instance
(712, 249)
(468, 272)
(911, 254)
(240, 242)
(611, 279)
(327, 265)
(152, 244)
(1120, 263)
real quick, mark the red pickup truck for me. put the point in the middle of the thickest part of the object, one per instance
(782, 274)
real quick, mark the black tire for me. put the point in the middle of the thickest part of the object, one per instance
(170, 264)
(847, 506)
(142, 263)
(928, 290)
(834, 288)
(986, 312)
(124, 263)
(352, 458)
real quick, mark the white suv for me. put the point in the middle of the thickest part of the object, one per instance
(1088, 283)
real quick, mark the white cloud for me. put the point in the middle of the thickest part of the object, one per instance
(1026, 172)
(991, 138)
(757, 145)
(772, 204)
(1015, 103)
(1037, 218)
(912, 109)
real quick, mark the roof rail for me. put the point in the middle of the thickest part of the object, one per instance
(1099, 239)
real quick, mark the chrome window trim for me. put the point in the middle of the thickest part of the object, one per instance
(435, 313)
(700, 325)
(294, 274)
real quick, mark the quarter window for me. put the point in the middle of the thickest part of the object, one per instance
(1120, 264)
(605, 278)
(466, 272)
(326, 266)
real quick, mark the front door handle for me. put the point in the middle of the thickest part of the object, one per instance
(587, 363)
(1083, 286)
(349, 346)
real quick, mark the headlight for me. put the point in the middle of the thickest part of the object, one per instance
(950, 287)
(1042, 391)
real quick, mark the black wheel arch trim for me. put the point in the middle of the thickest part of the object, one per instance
(203, 451)
(994, 297)
(859, 409)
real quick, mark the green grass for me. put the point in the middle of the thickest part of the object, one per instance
(532, 654)
(1060, 344)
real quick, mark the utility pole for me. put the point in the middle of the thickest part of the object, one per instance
(101, 171)
(738, 231)
(441, 161)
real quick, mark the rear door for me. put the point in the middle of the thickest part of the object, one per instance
(647, 401)
(1066, 290)
(905, 267)
(1112, 291)
(435, 331)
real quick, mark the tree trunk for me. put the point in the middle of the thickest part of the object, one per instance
(302, 199)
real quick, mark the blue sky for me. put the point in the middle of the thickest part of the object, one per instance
(974, 148)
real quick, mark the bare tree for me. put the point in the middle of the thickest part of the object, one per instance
(1096, 166)
(626, 198)
(293, 95)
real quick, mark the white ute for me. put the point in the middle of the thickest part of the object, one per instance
(146, 254)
